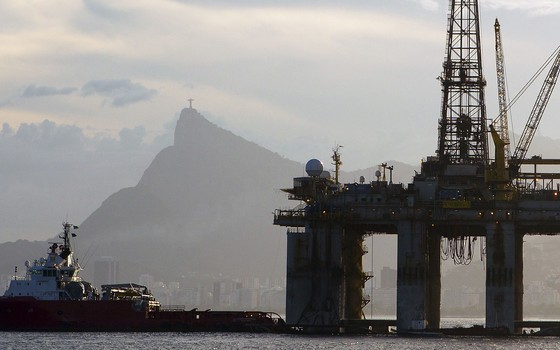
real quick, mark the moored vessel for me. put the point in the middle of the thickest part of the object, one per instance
(52, 297)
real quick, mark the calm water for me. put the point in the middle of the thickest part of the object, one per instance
(42, 341)
(15, 340)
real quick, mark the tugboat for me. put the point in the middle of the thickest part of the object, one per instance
(52, 297)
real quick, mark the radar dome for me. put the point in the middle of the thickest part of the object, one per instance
(314, 167)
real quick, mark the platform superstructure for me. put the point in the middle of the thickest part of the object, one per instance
(462, 194)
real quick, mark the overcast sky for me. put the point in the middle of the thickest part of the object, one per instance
(297, 77)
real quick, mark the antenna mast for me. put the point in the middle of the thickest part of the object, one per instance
(336, 161)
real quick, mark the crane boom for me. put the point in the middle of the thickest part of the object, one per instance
(537, 113)
(502, 121)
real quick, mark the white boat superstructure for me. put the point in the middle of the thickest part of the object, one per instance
(56, 277)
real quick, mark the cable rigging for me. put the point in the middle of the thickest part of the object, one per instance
(459, 249)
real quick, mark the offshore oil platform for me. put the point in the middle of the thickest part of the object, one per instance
(461, 194)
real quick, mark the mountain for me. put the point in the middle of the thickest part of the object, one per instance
(203, 205)
(14, 254)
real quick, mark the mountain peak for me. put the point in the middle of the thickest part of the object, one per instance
(189, 119)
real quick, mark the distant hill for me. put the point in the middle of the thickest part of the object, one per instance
(204, 204)
(14, 254)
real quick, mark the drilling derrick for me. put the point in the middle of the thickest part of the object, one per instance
(462, 127)
(462, 154)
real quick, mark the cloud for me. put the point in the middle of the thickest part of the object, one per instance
(51, 169)
(6, 130)
(37, 91)
(6, 103)
(431, 5)
(279, 61)
(534, 7)
(132, 138)
(103, 11)
(49, 135)
(122, 91)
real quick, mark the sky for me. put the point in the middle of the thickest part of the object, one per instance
(104, 81)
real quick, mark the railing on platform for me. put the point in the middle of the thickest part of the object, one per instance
(296, 230)
(289, 213)
(172, 307)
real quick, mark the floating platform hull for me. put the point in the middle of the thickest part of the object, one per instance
(29, 314)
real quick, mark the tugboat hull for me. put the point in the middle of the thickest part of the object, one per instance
(29, 314)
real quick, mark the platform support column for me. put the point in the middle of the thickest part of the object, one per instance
(314, 278)
(352, 254)
(433, 311)
(504, 276)
(518, 279)
(411, 276)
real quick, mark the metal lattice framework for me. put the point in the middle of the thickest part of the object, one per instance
(502, 120)
(537, 111)
(462, 127)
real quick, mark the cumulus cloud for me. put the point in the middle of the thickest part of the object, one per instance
(122, 92)
(37, 91)
(6, 130)
(62, 139)
(51, 169)
(132, 138)
(49, 135)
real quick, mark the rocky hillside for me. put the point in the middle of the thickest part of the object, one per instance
(204, 204)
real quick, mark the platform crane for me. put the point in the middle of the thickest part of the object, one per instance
(499, 174)
(537, 112)
(502, 121)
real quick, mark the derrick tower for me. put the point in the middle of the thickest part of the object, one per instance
(462, 127)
